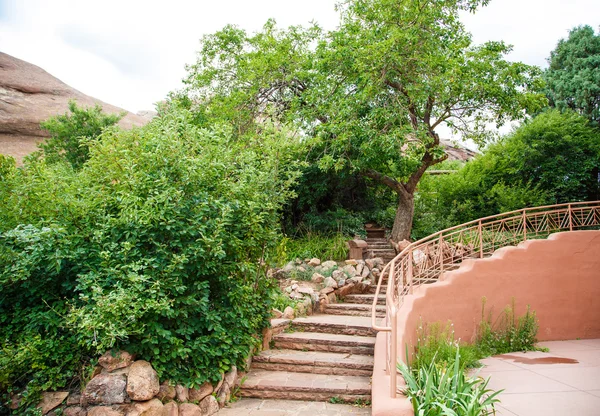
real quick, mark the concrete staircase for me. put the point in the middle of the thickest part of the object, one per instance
(380, 247)
(327, 357)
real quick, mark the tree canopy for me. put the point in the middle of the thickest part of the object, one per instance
(573, 77)
(371, 94)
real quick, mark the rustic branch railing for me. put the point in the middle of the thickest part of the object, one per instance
(425, 260)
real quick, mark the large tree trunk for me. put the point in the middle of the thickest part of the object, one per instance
(404, 217)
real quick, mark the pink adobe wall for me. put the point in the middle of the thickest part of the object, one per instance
(558, 277)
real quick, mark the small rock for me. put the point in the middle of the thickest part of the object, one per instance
(351, 262)
(365, 272)
(318, 268)
(288, 267)
(338, 274)
(369, 263)
(111, 360)
(346, 290)
(301, 269)
(231, 376)
(142, 382)
(103, 411)
(197, 394)
(378, 261)
(359, 268)
(295, 286)
(222, 379)
(296, 295)
(171, 409)
(190, 409)
(182, 393)
(152, 407)
(330, 282)
(51, 400)
(105, 389)
(341, 282)
(74, 411)
(276, 313)
(317, 278)
(306, 290)
(350, 270)
(74, 399)
(375, 272)
(288, 313)
(300, 309)
(314, 262)
(166, 392)
(209, 406)
(326, 290)
(223, 397)
(293, 282)
(298, 261)
(402, 245)
(330, 264)
(306, 260)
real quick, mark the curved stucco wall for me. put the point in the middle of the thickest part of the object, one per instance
(558, 277)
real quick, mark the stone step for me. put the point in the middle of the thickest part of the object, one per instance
(314, 362)
(354, 309)
(335, 324)
(371, 289)
(317, 341)
(302, 386)
(364, 299)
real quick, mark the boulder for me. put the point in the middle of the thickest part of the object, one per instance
(171, 409)
(104, 411)
(190, 409)
(346, 290)
(326, 290)
(330, 264)
(317, 278)
(199, 393)
(314, 262)
(209, 406)
(330, 282)
(112, 360)
(182, 393)
(288, 313)
(142, 382)
(276, 313)
(152, 407)
(51, 400)
(74, 411)
(166, 392)
(105, 389)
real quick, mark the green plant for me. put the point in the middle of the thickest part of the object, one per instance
(325, 247)
(508, 333)
(436, 344)
(444, 389)
(336, 400)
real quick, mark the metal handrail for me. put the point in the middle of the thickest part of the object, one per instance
(426, 259)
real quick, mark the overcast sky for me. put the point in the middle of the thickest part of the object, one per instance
(132, 53)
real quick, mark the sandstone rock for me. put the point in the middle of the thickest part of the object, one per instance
(351, 262)
(288, 267)
(401, 245)
(375, 272)
(326, 290)
(298, 261)
(300, 309)
(209, 406)
(288, 289)
(166, 392)
(51, 400)
(314, 262)
(306, 290)
(276, 313)
(142, 382)
(230, 377)
(350, 270)
(378, 261)
(182, 393)
(332, 298)
(341, 282)
(199, 393)
(346, 290)
(171, 409)
(111, 360)
(104, 411)
(338, 274)
(330, 264)
(29, 95)
(359, 268)
(317, 278)
(293, 282)
(295, 286)
(105, 389)
(288, 313)
(74, 411)
(152, 407)
(190, 409)
(300, 269)
(74, 399)
(370, 263)
(365, 272)
(296, 295)
(330, 282)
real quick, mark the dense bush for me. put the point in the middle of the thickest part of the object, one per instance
(155, 245)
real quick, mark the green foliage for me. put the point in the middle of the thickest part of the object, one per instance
(446, 390)
(573, 76)
(508, 333)
(436, 344)
(71, 133)
(369, 95)
(156, 245)
(323, 247)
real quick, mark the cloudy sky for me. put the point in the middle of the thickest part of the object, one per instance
(131, 53)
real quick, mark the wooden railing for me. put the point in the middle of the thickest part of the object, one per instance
(425, 260)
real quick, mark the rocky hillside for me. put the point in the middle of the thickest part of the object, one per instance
(29, 95)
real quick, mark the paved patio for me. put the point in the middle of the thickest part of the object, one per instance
(565, 381)
(259, 407)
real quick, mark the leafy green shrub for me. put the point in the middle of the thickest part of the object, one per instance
(156, 245)
(507, 333)
(444, 389)
(436, 344)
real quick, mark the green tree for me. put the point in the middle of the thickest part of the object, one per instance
(372, 94)
(573, 77)
(71, 133)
